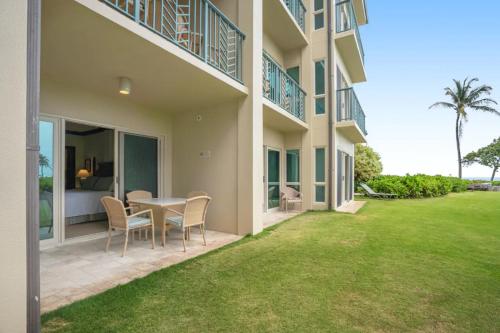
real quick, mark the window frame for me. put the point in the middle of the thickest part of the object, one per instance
(316, 12)
(316, 182)
(319, 96)
(288, 183)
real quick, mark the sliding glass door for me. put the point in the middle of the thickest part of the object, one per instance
(139, 164)
(293, 168)
(273, 178)
(48, 180)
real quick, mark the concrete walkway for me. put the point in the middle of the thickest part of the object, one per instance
(351, 207)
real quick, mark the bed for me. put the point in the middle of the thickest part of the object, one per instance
(84, 204)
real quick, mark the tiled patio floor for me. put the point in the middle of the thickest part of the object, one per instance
(73, 272)
(272, 218)
(351, 207)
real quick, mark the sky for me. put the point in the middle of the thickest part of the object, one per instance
(413, 51)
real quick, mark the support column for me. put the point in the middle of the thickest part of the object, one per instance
(250, 122)
(13, 94)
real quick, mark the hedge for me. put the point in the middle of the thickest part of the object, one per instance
(418, 186)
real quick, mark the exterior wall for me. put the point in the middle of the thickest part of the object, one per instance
(13, 43)
(250, 119)
(72, 103)
(319, 123)
(273, 50)
(205, 159)
(344, 144)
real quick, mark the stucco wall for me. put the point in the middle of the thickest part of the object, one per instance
(344, 144)
(13, 43)
(205, 159)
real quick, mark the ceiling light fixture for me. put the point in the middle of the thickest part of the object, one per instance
(125, 86)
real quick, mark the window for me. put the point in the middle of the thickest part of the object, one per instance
(319, 87)
(319, 14)
(319, 175)
(293, 168)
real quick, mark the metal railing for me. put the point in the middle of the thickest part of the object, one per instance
(197, 26)
(281, 89)
(346, 20)
(349, 108)
(298, 11)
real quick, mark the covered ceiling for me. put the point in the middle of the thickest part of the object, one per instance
(83, 48)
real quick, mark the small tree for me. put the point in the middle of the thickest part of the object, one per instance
(367, 164)
(488, 156)
(44, 163)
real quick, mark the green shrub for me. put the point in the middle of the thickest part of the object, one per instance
(418, 186)
(45, 184)
(495, 183)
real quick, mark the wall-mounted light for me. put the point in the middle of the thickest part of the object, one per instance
(125, 86)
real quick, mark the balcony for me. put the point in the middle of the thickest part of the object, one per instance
(196, 26)
(350, 116)
(349, 42)
(284, 99)
(298, 11)
(90, 44)
(284, 23)
(360, 10)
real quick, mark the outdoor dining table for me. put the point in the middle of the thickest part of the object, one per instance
(160, 208)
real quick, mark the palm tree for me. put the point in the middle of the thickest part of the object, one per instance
(44, 163)
(463, 98)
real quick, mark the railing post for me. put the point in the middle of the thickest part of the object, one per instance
(205, 32)
(137, 10)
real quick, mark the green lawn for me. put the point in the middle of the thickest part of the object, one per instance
(429, 265)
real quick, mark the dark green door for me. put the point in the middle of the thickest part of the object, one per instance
(140, 164)
(273, 179)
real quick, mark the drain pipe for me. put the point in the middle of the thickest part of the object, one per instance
(32, 155)
(330, 103)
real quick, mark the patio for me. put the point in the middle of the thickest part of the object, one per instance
(77, 271)
(74, 272)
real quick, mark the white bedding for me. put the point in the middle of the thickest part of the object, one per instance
(82, 202)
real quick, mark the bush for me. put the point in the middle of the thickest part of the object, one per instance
(367, 164)
(46, 184)
(418, 186)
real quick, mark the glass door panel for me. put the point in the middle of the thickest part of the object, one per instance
(46, 179)
(273, 179)
(140, 164)
(293, 169)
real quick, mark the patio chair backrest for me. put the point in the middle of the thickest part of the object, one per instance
(194, 194)
(116, 212)
(139, 194)
(135, 195)
(367, 188)
(195, 210)
(290, 193)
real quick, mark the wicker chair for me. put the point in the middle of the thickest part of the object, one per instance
(194, 194)
(194, 214)
(134, 195)
(118, 220)
(290, 195)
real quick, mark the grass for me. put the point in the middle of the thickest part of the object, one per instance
(428, 265)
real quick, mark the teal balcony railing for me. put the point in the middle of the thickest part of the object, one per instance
(197, 26)
(346, 20)
(298, 11)
(348, 108)
(281, 89)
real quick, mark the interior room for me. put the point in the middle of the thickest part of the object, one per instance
(89, 176)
